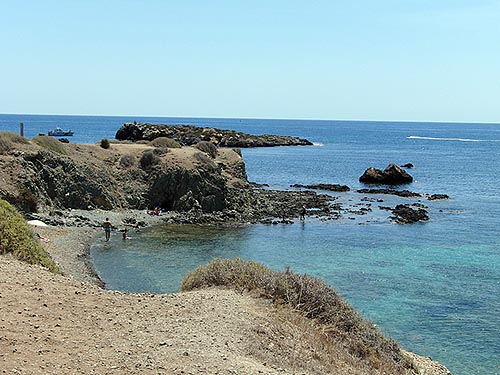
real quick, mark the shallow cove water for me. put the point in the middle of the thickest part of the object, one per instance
(432, 286)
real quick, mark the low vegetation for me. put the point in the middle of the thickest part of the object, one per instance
(8, 141)
(165, 142)
(313, 298)
(148, 160)
(17, 238)
(104, 143)
(51, 144)
(127, 160)
(208, 148)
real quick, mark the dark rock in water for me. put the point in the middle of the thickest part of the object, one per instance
(329, 187)
(434, 197)
(399, 193)
(189, 135)
(408, 165)
(404, 214)
(392, 175)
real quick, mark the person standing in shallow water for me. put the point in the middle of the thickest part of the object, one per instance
(107, 228)
(303, 213)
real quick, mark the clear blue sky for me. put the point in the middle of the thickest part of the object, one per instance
(415, 60)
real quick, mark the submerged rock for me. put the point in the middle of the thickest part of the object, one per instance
(434, 197)
(405, 214)
(399, 193)
(329, 187)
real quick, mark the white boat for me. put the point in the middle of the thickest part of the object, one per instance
(58, 132)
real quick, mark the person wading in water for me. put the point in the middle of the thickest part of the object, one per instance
(107, 228)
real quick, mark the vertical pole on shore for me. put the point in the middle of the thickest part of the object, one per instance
(21, 129)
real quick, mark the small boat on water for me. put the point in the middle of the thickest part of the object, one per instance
(58, 132)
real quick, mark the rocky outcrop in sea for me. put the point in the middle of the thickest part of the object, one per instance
(188, 135)
(391, 175)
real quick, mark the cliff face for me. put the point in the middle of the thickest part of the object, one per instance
(124, 176)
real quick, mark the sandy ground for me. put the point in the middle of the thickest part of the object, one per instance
(53, 324)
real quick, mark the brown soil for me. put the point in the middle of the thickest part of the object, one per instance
(52, 325)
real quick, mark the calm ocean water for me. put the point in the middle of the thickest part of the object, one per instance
(434, 287)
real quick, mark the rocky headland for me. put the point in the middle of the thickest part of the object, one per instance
(201, 183)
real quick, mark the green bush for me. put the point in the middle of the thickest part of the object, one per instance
(208, 148)
(165, 142)
(17, 238)
(50, 143)
(105, 143)
(311, 296)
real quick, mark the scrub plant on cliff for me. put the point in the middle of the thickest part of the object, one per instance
(208, 148)
(314, 299)
(51, 144)
(17, 238)
(9, 139)
(105, 143)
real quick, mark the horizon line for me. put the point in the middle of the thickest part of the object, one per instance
(259, 118)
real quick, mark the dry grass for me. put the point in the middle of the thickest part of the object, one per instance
(164, 142)
(337, 323)
(51, 144)
(127, 160)
(208, 148)
(8, 141)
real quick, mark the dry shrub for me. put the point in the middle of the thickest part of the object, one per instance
(5, 145)
(50, 143)
(17, 238)
(165, 142)
(311, 296)
(9, 139)
(148, 160)
(208, 148)
(159, 151)
(14, 138)
(205, 160)
(127, 161)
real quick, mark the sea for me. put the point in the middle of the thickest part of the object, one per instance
(433, 286)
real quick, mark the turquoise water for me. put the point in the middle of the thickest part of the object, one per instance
(432, 286)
